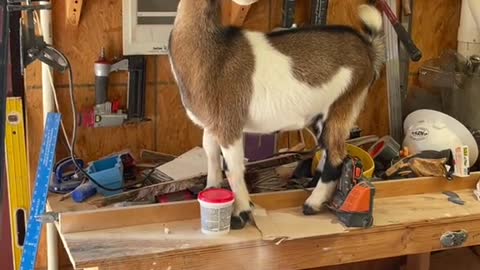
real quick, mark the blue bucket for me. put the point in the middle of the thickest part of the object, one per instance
(108, 173)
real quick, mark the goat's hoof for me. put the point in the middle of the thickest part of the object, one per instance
(308, 210)
(239, 222)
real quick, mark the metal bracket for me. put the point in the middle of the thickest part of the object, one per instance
(454, 239)
(15, 8)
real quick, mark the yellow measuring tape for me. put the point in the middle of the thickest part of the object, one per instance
(18, 179)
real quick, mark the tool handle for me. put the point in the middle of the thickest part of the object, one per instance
(288, 13)
(101, 85)
(404, 37)
(83, 192)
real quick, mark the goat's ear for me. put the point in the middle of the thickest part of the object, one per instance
(244, 2)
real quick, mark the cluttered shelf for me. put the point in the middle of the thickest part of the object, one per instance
(411, 216)
(395, 197)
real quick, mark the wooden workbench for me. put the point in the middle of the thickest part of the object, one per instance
(410, 216)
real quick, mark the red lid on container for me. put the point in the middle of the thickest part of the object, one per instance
(216, 195)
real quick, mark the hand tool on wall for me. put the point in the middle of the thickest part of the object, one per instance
(18, 177)
(32, 46)
(354, 196)
(404, 57)
(288, 13)
(319, 12)
(403, 36)
(106, 113)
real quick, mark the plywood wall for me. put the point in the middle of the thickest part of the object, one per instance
(435, 28)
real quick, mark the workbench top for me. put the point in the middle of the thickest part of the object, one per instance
(283, 238)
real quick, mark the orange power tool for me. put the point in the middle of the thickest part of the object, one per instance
(354, 196)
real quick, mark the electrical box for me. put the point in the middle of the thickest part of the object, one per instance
(147, 25)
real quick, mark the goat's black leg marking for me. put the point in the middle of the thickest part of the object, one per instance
(324, 188)
(330, 171)
(239, 222)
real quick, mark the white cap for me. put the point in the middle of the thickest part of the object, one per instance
(245, 2)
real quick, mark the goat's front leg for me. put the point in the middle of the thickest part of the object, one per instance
(234, 157)
(212, 150)
(325, 186)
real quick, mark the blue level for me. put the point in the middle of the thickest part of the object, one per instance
(39, 198)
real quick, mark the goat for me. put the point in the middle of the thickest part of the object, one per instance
(234, 81)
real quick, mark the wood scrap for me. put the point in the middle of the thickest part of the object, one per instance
(149, 156)
(426, 163)
(195, 179)
(428, 167)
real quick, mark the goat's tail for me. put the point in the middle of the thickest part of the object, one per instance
(373, 24)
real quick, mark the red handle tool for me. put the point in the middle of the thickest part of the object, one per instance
(403, 36)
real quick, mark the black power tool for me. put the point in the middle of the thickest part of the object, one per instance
(354, 196)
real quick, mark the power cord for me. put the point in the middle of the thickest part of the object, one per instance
(71, 145)
(74, 133)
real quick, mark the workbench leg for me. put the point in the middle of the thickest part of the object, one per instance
(418, 262)
(52, 247)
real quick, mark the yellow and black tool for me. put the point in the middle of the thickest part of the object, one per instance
(19, 194)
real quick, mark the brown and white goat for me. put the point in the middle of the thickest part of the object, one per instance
(233, 81)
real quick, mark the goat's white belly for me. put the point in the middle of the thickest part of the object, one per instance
(280, 101)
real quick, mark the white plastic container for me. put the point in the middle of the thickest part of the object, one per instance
(216, 206)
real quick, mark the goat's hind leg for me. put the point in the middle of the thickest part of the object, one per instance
(234, 157)
(341, 117)
(212, 150)
(332, 139)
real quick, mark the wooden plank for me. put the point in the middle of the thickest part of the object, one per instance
(418, 261)
(74, 11)
(94, 250)
(239, 14)
(389, 213)
(136, 215)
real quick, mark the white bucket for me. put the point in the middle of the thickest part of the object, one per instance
(216, 207)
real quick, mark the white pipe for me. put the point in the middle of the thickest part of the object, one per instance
(469, 29)
(474, 6)
(48, 106)
(47, 92)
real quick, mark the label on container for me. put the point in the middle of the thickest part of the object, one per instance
(462, 163)
(216, 219)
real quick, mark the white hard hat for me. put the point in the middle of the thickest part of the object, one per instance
(433, 130)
